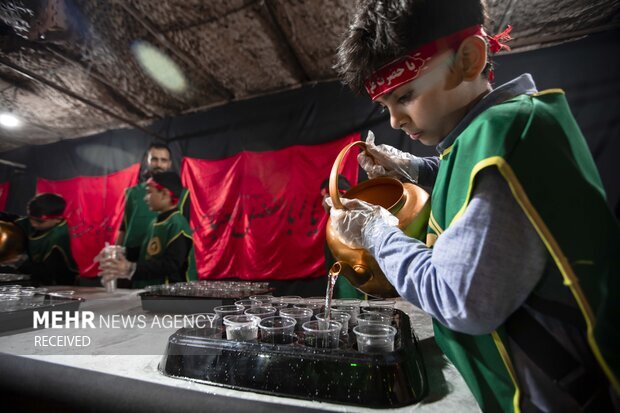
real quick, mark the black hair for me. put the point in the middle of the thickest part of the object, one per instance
(382, 31)
(170, 180)
(159, 145)
(46, 204)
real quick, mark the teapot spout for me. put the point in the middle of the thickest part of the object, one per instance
(356, 276)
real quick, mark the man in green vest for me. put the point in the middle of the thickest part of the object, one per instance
(137, 215)
(163, 256)
(521, 266)
(49, 260)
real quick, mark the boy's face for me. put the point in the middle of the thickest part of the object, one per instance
(43, 224)
(155, 199)
(429, 107)
(158, 160)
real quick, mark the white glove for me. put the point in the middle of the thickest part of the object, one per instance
(99, 257)
(356, 224)
(385, 160)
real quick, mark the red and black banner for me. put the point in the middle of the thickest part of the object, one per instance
(94, 211)
(4, 194)
(259, 215)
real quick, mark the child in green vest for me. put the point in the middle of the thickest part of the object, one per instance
(521, 263)
(49, 260)
(163, 256)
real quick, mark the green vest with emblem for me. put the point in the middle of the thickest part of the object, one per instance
(138, 216)
(40, 246)
(539, 150)
(159, 236)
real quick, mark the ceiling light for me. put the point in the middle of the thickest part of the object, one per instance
(8, 120)
(161, 68)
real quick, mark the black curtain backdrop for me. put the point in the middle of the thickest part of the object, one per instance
(587, 69)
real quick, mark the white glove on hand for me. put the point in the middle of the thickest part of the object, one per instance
(357, 223)
(385, 160)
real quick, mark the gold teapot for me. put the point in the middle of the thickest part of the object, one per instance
(12, 241)
(407, 201)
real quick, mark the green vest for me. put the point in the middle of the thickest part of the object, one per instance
(40, 246)
(539, 150)
(159, 236)
(138, 216)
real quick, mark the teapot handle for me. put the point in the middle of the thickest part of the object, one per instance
(333, 176)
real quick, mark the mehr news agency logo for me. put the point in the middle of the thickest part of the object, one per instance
(87, 320)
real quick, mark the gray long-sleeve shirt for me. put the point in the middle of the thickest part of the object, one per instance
(484, 265)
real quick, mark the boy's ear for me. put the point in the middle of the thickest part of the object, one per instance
(472, 57)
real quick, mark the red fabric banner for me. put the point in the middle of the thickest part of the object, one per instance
(4, 194)
(94, 211)
(259, 215)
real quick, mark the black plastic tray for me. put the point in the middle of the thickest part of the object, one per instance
(22, 319)
(190, 304)
(341, 375)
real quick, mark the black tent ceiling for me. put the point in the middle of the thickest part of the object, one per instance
(71, 68)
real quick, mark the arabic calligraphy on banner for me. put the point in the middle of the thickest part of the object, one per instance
(259, 215)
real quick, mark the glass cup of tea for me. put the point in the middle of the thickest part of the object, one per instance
(277, 330)
(300, 314)
(375, 338)
(322, 334)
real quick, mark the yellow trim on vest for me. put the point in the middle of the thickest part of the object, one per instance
(167, 218)
(64, 256)
(570, 279)
(431, 239)
(432, 222)
(446, 152)
(549, 91)
(47, 231)
(477, 168)
(511, 370)
(177, 236)
(181, 203)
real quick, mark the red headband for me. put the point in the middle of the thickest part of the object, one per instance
(409, 67)
(160, 187)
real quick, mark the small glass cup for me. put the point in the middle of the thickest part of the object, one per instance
(264, 299)
(277, 330)
(9, 303)
(380, 306)
(374, 318)
(290, 299)
(322, 334)
(314, 307)
(375, 338)
(261, 312)
(112, 252)
(248, 303)
(224, 310)
(352, 310)
(347, 301)
(300, 314)
(241, 327)
(279, 304)
(342, 318)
